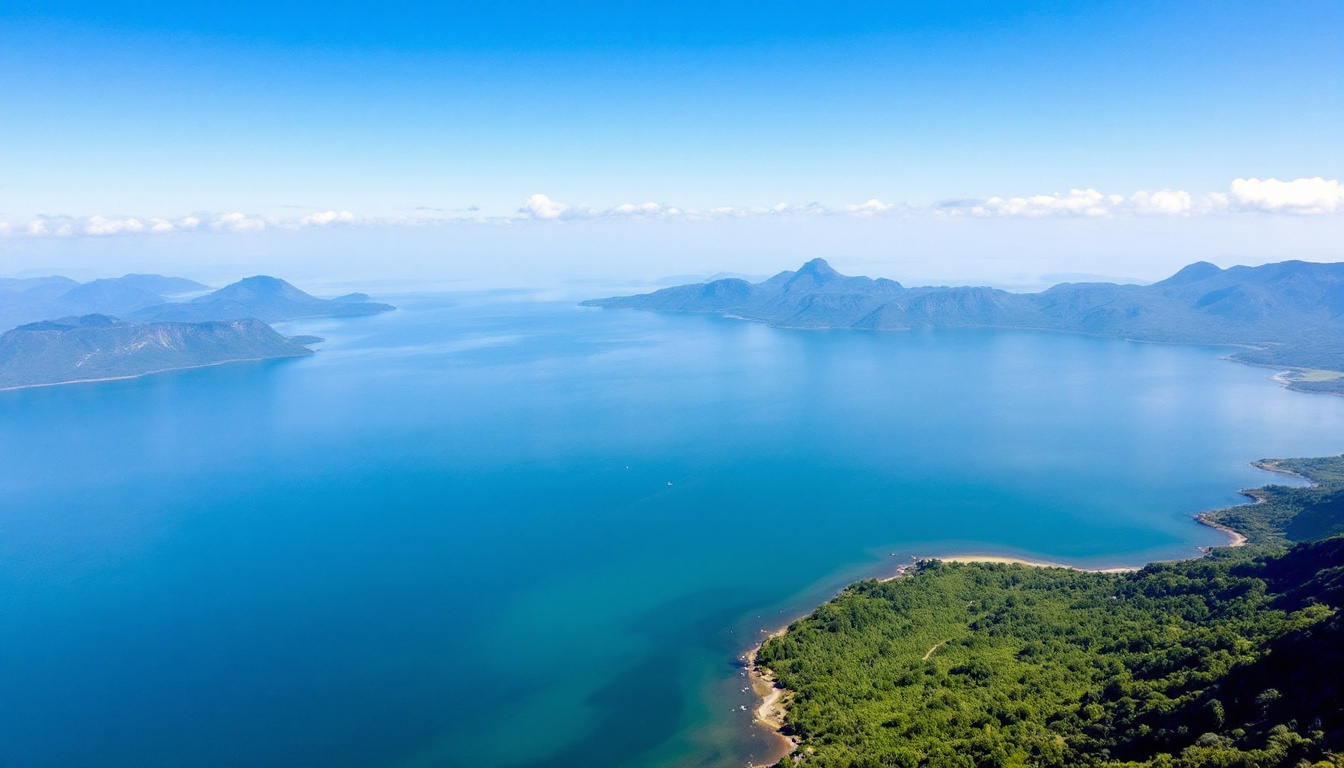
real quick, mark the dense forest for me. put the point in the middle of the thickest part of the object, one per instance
(1233, 659)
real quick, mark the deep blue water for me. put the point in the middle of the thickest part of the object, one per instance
(494, 532)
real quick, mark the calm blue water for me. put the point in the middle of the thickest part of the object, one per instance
(510, 533)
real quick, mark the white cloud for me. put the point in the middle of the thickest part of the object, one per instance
(543, 207)
(1315, 195)
(873, 206)
(1244, 197)
(60, 226)
(811, 209)
(1077, 202)
(1271, 195)
(326, 217)
(728, 210)
(238, 222)
(97, 225)
(1167, 202)
(643, 209)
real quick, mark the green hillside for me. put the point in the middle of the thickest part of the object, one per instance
(1234, 659)
(1284, 513)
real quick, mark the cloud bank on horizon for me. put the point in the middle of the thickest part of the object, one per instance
(1298, 197)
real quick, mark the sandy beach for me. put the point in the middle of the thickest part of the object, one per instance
(1238, 540)
(1024, 561)
(770, 713)
(147, 373)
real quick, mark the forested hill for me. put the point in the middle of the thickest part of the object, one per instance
(96, 347)
(1291, 313)
(1233, 659)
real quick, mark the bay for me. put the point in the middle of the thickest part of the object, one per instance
(486, 530)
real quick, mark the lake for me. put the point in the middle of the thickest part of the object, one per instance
(490, 531)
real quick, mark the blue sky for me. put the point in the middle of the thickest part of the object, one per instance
(372, 113)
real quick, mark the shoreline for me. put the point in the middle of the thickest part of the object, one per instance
(1238, 539)
(772, 711)
(1284, 378)
(773, 708)
(151, 373)
(1007, 560)
(1270, 465)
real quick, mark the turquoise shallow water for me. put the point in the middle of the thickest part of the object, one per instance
(494, 532)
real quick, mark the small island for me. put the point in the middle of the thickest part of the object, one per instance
(1231, 659)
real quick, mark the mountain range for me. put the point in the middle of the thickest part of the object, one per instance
(129, 326)
(42, 298)
(1289, 314)
(155, 298)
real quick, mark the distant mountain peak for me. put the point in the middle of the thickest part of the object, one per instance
(818, 268)
(257, 287)
(264, 281)
(811, 275)
(1200, 270)
(263, 297)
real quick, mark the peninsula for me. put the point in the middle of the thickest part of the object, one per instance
(97, 347)
(1288, 315)
(1232, 659)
